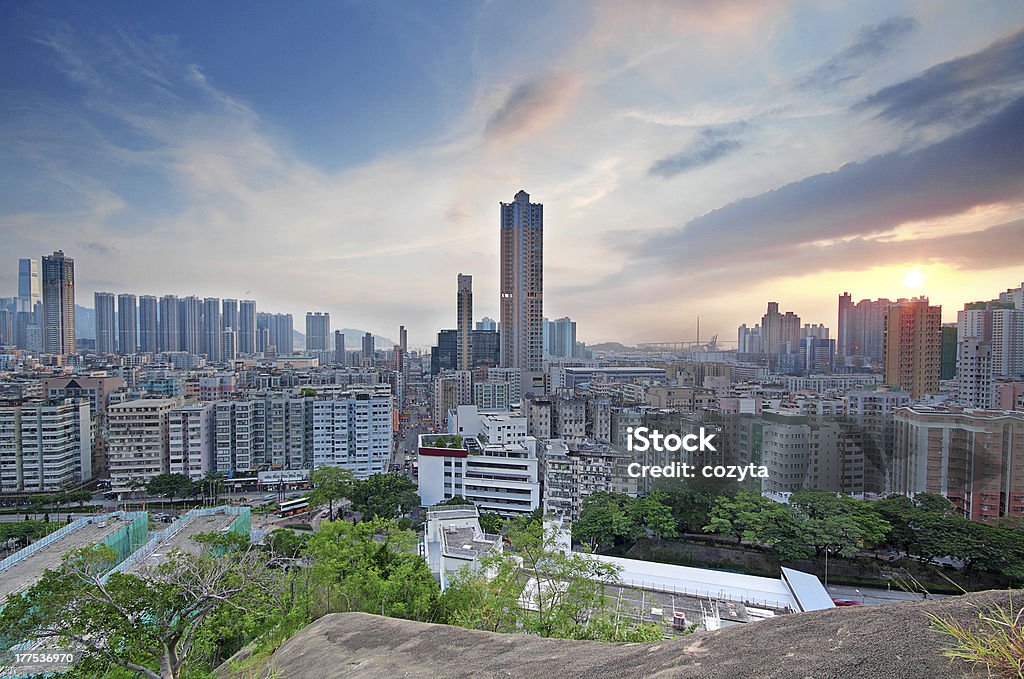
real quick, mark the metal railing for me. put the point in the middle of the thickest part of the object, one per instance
(159, 538)
(48, 540)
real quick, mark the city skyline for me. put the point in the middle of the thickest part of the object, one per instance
(707, 152)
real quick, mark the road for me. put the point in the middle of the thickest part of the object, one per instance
(871, 596)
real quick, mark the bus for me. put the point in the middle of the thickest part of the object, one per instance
(292, 507)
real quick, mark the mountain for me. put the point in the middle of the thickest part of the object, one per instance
(869, 642)
(610, 346)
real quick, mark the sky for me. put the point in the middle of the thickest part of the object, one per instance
(693, 158)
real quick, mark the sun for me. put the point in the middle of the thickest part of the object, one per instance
(914, 279)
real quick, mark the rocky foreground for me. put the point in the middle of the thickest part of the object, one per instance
(893, 641)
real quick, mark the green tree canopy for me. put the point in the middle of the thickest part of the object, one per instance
(384, 496)
(330, 484)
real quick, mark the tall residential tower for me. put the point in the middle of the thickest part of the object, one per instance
(522, 290)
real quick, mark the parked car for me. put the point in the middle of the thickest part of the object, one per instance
(846, 602)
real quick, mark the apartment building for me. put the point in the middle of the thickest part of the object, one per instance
(139, 443)
(45, 445)
(192, 440)
(974, 457)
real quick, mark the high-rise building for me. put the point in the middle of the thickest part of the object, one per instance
(127, 339)
(246, 327)
(339, 348)
(149, 324)
(45, 445)
(170, 338)
(913, 346)
(229, 314)
(990, 347)
(749, 340)
(403, 338)
(190, 325)
(58, 304)
(191, 440)
(973, 457)
(487, 323)
(522, 289)
(560, 337)
(228, 344)
(212, 327)
(781, 332)
(103, 303)
(368, 349)
(861, 331)
(486, 349)
(138, 442)
(353, 431)
(445, 356)
(29, 288)
(318, 330)
(464, 308)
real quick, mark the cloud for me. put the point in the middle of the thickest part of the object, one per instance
(869, 45)
(959, 90)
(532, 106)
(982, 165)
(706, 149)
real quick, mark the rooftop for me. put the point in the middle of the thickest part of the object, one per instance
(21, 573)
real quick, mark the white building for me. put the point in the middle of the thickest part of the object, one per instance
(453, 540)
(138, 446)
(45, 445)
(354, 431)
(496, 478)
(191, 440)
(493, 427)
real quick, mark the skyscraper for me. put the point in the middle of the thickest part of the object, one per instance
(368, 348)
(149, 326)
(127, 340)
(211, 329)
(464, 314)
(403, 338)
(861, 331)
(246, 327)
(229, 314)
(58, 304)
(560, 337)
(190, 325)
(990, 347)
(169, 336)
(522, 289)
(29, 291)
(318, 329)
(103, 303)
(339, 347)
(913, 346)
(228, 344)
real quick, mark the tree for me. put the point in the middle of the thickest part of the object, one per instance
(734, 516)
(456, 501)
(213, 484)
(146, 624)
(538, 589)
(384, 496)
(491, 522)
(169, 486)
(651, 513)
(603, 521)
(837, 523)
(372, 567)
(329, 485)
